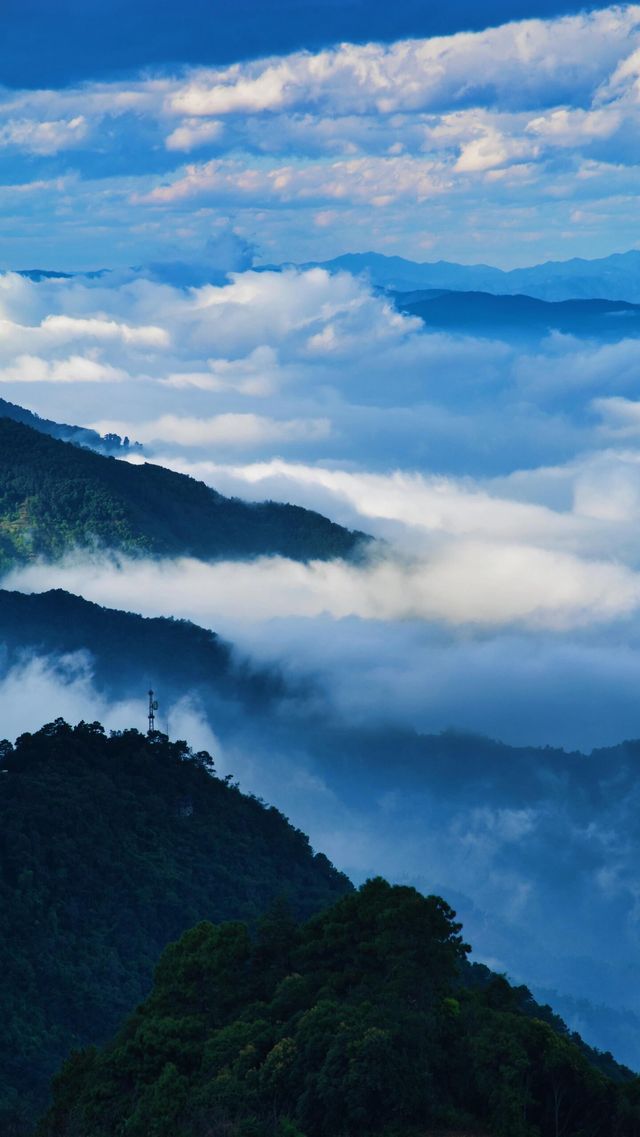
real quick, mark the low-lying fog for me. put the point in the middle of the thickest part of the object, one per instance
(503, 597)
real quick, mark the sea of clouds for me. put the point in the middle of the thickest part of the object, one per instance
(501, 479)
(502, 482)
(502, 595)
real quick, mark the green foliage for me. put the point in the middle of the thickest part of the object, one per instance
(109, 848)
(55, 497)
(364, 1027)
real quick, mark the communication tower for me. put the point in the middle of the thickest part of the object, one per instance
(153, 706)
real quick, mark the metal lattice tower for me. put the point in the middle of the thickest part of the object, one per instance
(153, 706)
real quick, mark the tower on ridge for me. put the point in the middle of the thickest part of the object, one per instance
(153, 706)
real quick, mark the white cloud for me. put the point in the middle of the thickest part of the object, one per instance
(44, 137)
(372, 180)
(461, 582)
(60, 688)
(620, 416)
(490, 150)
(62, 329)
(533, 113)
(226, 430)
(193, 133)
(72, 369)
(571, 127)
(518, 63)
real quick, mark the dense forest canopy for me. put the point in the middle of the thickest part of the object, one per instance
(358, 1022)
(56, 497)
(109, 848)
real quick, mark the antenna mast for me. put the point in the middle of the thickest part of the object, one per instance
(153, 706)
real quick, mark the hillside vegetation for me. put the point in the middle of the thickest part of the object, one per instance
(109, 848)
(56, 497)
(356, 1023)
(79, 435)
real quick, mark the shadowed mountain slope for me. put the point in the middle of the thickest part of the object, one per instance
(130, 653)
(109, 849)
(485, 314)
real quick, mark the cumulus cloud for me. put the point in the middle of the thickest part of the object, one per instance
(521, 117)
(374, 181)
(269, 359)
(518, 63)
(62, 329)
(70, 369)
(620, 416)
(193, 133)
(44, 137)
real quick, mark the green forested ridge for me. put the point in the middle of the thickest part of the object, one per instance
(79, 435)
(55, 497)
(357, 1023)
(109, 848)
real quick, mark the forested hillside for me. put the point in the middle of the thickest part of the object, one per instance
(109, 848)
(357, 1023)
(79, 435)
(56, 497)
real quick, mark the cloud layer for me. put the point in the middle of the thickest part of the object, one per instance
(503, 478)
(514, 143)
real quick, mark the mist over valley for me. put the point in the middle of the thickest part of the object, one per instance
(320, 574)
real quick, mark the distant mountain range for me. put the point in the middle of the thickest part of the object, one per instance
(612, 278)
(56, 497)
(616, 277)
(484, 314)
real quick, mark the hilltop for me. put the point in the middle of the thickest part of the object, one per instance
(56, 497)
(362, 1021)
(109, 848)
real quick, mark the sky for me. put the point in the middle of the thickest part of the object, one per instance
(512, 143)
(499, 472)
(73, 40)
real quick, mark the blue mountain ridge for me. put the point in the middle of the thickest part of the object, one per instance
(616, 277)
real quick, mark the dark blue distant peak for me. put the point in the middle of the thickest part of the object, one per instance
(54, 44)
(486, 314)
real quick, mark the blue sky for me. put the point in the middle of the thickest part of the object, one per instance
(127, 138)
(54, 44)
